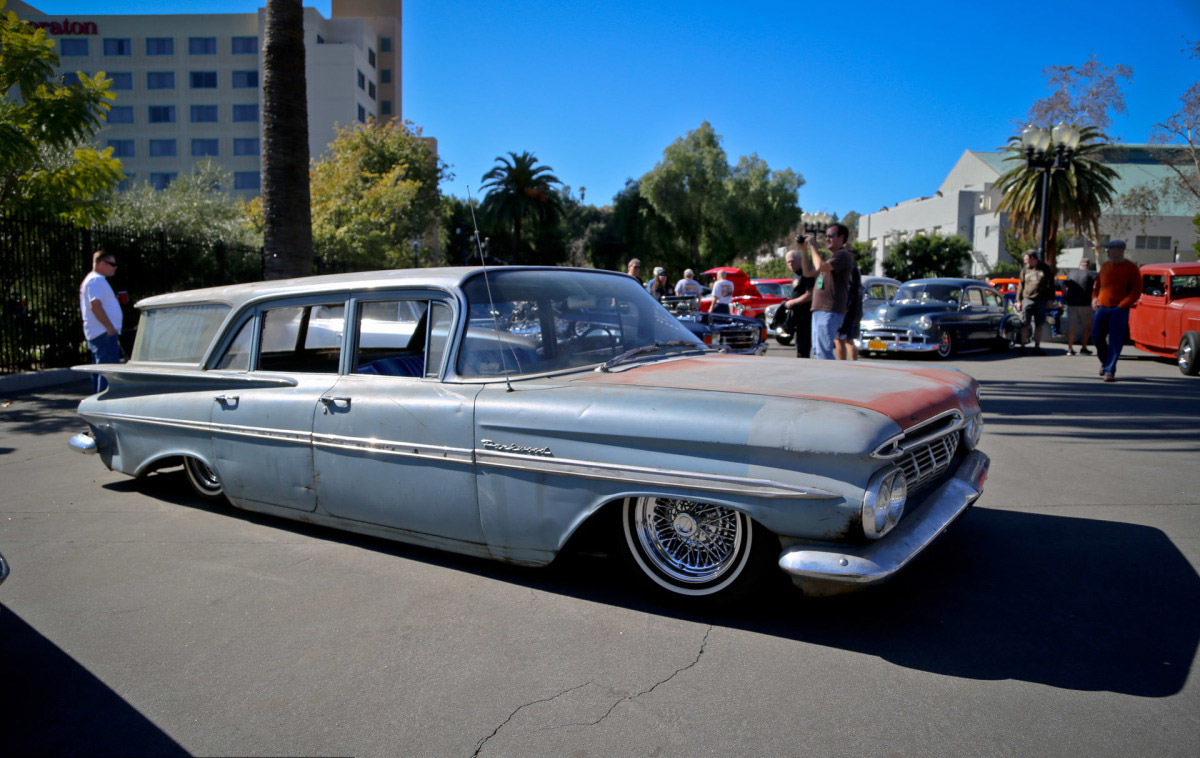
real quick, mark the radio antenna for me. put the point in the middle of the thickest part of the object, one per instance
(488, 285)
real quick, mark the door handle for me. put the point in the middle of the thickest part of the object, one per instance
(226, 399)
(329, 402)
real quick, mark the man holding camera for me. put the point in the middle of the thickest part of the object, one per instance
(831, 294)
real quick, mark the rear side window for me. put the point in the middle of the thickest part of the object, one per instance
(304, 339)
(177, 335)
(402, 338)
(1185, 286)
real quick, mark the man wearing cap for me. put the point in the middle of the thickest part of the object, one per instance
(1118, 286)
(1035, 290)
(688, 286)
(659, 285)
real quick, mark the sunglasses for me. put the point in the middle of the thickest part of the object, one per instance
(111, 263)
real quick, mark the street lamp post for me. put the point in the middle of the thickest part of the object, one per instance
(814, 223)
(1048, 150)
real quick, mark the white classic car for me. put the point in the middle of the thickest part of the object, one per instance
(495, 412)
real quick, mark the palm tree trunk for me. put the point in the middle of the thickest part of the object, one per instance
(287, 210)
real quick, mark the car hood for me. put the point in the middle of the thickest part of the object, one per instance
(906, 393)
(898, 311)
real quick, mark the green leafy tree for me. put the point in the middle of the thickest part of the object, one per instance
(373, 195)
(518, 191)
(193, 207)
(864, 257)
(287, 216)
(46, 166)
(1077, 197)
(717, 211)
(927, 255)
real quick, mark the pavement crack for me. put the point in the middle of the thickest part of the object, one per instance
(479, 745)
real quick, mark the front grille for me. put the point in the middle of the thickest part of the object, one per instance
(894, 334)
(738, 339)
(925, 463)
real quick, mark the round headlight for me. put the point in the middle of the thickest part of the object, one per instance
(739, 309)
(925, 323)
(883, 502)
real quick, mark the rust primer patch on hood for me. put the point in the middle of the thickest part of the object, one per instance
(906, 394)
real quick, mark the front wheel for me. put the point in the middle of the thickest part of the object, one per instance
(947, 345)
(693, 549)
(203, 479)
(1189, 354)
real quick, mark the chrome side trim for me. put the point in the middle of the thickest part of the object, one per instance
(731, 485)
(394, 447)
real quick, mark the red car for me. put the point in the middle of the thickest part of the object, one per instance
(747, 300)
(1166, 319)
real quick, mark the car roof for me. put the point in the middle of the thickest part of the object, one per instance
(437, 278)
(956, 282)
(1172, 268)
(868, 279)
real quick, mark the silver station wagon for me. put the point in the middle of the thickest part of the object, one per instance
(495, 413)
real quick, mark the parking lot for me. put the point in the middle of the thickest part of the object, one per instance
(1061, 615)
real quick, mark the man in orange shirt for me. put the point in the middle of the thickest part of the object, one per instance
(1118, 286)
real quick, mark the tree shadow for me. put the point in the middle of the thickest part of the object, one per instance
(54, 706)
(40, 414)
(1074, 603)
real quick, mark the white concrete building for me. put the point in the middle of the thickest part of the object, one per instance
(966, 203)
(188, 86)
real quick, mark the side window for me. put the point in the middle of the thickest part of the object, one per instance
(876, 292)
(302, 338)
(1153, 285)
(975, 296)
(1185, 286)
(237, 355)
(991, 299)
(441, 321)
(392, 338)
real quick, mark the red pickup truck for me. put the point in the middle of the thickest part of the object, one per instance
(1166, 319)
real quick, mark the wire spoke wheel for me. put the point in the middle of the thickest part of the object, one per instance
(686, 546)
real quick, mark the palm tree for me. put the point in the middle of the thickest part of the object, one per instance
(1077, 196)
(287, 211)
(518, 190)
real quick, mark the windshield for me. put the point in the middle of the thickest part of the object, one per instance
(774, 289)
(538, 321)
(922, 293)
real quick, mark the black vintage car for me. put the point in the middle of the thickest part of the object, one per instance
(940, 316)
(737, 333)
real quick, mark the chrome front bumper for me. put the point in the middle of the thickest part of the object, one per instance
(84, 443)
(834, 569)
(897, 342)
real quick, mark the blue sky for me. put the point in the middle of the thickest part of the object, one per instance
(872, 102)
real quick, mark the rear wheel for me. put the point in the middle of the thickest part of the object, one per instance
(1189, 354)
(693, 549)
(203, 479)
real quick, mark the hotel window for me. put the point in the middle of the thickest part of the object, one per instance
(160, 181)
(120, 114)
(160, 46)
(246, 146)
(126, 183)
(160, 80)
(246, 180)
(245, 112)
(245, 79)
(385, 76)
(371, 90)
(385, 44)
(1152, 243)
(121, 79)
(362, 80)
(71, 78)
(122, 148)
(204, 147)
(120, 46)
(162, 148)
(362, 114)
(245, 46)
(204, 114)
(371, 57)
(72, 46)
(162, 114)
(202, 45)
(385, 107)
(204, 79)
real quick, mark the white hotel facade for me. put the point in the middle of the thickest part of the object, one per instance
(188, 87)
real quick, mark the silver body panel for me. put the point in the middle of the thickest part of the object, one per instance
(510, 470)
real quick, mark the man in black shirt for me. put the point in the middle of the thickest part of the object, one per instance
(1077, 292)
(800, 306)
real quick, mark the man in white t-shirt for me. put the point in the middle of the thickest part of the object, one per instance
(101, 314)
(688, 286)
(722, 291)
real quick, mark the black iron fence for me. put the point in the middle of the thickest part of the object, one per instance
(43, 262)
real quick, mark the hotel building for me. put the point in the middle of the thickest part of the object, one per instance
(188, 87)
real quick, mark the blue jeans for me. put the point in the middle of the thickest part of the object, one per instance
(1109, 328)
(825, 325)
(105, 349)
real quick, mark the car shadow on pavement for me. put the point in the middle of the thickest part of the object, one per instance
(1074, 603)
(54, 706)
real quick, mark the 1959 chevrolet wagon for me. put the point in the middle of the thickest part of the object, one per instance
(495, 412)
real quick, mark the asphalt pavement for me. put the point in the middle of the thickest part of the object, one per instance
(1060, 617)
